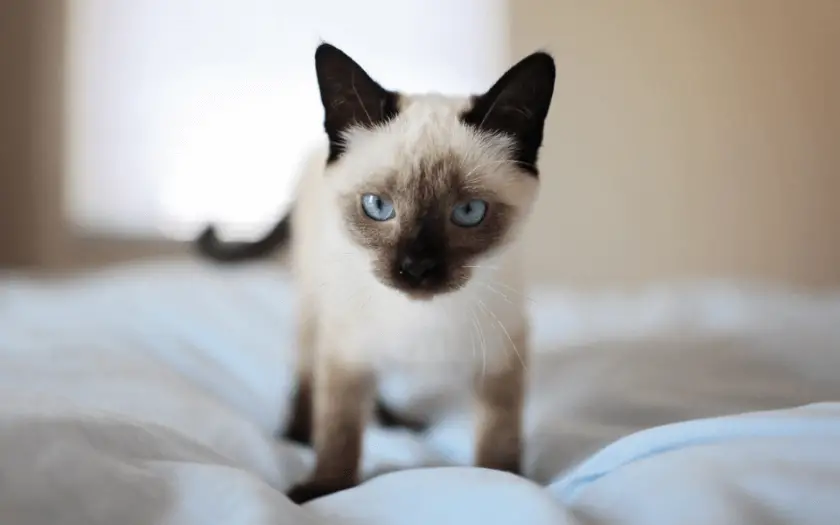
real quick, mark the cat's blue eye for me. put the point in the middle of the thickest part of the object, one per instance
(470, 213)
(377, 208)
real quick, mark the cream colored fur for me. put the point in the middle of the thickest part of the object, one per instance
(377, 326)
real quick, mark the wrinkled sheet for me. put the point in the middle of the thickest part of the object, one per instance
(152, 393)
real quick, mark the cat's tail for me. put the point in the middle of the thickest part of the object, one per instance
(211, 247)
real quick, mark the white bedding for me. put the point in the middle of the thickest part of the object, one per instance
(150, 394)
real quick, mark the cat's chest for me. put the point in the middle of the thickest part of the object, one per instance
(460, 332)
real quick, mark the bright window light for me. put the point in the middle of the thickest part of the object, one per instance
(188, 111)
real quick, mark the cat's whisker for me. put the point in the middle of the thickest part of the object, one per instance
(510, 289)
(484, 310)
(500, 294)
(502, 326)
(472, 337)
(482, 342)
(479, 266)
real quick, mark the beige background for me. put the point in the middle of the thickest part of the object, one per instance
(688, 139)
(15, 85)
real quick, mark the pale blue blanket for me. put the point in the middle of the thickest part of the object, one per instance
(151, 395)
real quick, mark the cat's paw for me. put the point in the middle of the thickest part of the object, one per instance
(310, 490)
(512, 468)
(297, 433)
(509, 465)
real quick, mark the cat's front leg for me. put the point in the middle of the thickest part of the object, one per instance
(299, 428)
(342, 395)
(500, 396)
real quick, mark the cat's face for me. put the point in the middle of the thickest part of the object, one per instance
(432, 187)
(428, 198)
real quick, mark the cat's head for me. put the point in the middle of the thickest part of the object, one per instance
(432, 187)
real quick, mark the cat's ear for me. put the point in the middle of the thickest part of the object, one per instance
(350, 96)
(517, 106)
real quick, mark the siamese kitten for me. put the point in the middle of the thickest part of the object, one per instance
(405, 249)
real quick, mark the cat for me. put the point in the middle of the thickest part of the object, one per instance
(406, 249)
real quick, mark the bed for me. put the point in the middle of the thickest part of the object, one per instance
(152, 393)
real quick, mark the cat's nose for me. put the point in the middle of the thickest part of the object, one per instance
(417, 268)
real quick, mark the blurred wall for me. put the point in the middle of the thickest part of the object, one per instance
(16, 248)
(31, 36)
(688, 139)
